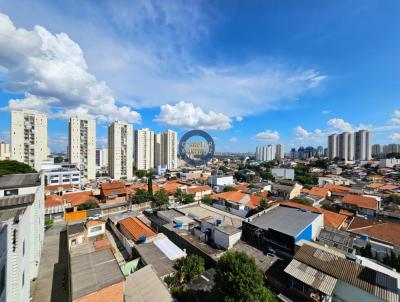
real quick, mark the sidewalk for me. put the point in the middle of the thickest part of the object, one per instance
(52, 282)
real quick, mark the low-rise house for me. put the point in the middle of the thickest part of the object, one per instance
(337, 191)
(286, 189)
(331, 219)
(134, 229)
(377, 230)
(115, 190)
(54, 207)
(235, 202)
(199, 192)
(360, 204)
(96, 276)
(161, 254)
(323, 275)
(281, 227)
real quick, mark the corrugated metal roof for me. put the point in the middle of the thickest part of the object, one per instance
(367, 279)
(144, 286)
(20, 180)
(94, 271)
(16, 200)
(308, 275)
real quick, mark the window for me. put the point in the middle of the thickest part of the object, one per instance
(23, 279)
(96, 229)
(23, 248)
(11, 192)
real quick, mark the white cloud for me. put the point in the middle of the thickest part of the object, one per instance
(188, 116)
(340, 124)
(305, 136)
(233, 140)
(267, 135)
(52, 72)
(394, 137)
(325, 111)
(239, 118)
(396, 117)
(126, 40)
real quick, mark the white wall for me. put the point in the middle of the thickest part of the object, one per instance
(224, 240)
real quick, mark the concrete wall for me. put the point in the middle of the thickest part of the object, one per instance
(224, 240)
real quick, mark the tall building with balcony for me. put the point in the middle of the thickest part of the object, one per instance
(82, 146)
(346, 146)
(377, 150)
(363, 145)
(102, 158)
(144, 149)
(29, 137)
(165, 149)
(21, 234)
(120, 150)
(280, 151)
(333, 146)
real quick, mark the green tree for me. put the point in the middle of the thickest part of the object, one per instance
(88, 204)
(160, 199)
(366, 251)
(238, 279)
(179, 195)
(302, 201)
(14, 167)
(150, 183)
(188, 198)
(189, 267)
(229, 189)
(207, 199)
(261, 207)
(394, 198)
(141, 196)
(140, 173)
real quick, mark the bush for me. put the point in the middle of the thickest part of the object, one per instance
(48, 223)
(88, 204)
(14, 167)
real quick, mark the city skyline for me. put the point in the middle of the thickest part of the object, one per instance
(246, 85)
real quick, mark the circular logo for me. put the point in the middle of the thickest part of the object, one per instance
(196, 153)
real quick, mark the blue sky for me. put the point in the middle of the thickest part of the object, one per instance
(249, 72)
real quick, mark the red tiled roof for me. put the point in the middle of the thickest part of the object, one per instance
(51, 188)
(242, 186)
(389, 187)
(361, 201)
(136, 228)
(384, 231)
(53, 201)
(336, 188)
(331, 219)
(114, 188)
(375, 185)
(194, 190)
(75, 199)
(345, 212)
(254, 201)
(230, 196)
(322, 192)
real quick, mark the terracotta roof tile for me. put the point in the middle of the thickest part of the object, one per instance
(53, 201)
(136, 228)
(361, 201)
(230, 196)
(375, 185)
(322, 192)
(336, 188)
(384, 231)
(75, 199)
(193, 190)
(114, 188)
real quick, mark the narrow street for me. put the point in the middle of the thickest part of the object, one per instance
(52, 282)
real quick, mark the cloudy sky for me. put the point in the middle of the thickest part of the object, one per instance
(249, 72)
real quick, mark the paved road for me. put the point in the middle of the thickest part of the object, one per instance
(52, 282)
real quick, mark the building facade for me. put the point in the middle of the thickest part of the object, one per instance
(165, 149)
(280, 151)
(82, 146)
(270, 152)
(144, 149)
(102, 158)
(120, 150)
(346, 146)
(21, 234)
(4, 151)
(363, 145)
(62, 175)
(332, 146)
(29, 137)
